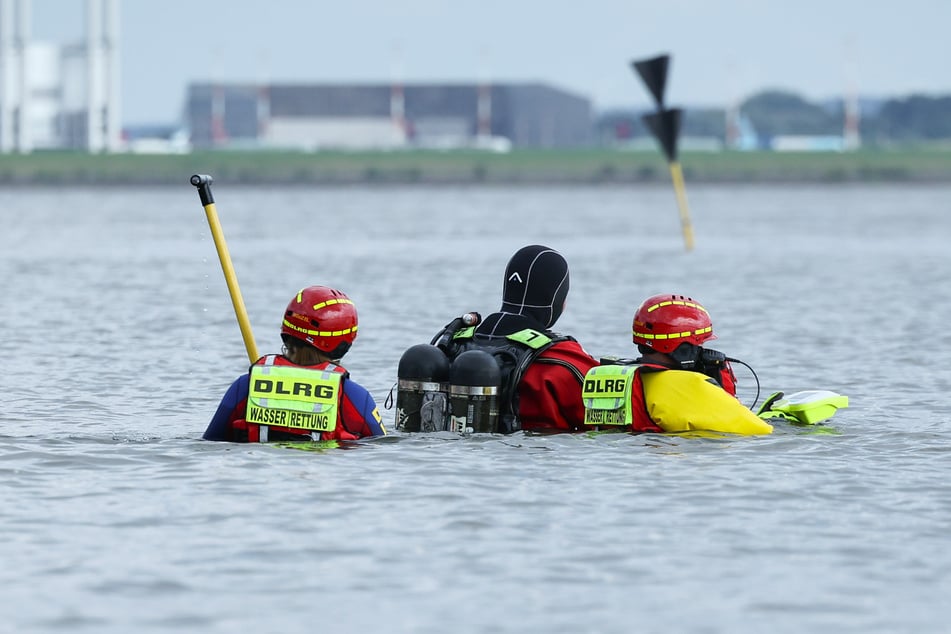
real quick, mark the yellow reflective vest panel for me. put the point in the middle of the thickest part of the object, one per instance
(293, 396)
(681, 400)
(607, 396)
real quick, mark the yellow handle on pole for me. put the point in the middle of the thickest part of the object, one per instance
(677, 175)
(203, 183)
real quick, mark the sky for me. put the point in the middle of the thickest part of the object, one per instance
(722, 51)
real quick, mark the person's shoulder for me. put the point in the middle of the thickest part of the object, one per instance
(355, 391)
(571, 349)
(242, 382)
(686, 378)
(689, 382)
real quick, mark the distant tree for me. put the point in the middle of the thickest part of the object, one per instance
(915, 118)
(776, 112)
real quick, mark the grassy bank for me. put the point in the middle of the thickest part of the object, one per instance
(579, 166)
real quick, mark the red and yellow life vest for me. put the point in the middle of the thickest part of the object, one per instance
(647, 398)
(292, 402)
(613, 396)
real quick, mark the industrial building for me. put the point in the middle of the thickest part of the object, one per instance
(386, 116)
(67, 96)
(59, 96)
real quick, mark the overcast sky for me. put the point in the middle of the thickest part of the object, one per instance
(722, 50)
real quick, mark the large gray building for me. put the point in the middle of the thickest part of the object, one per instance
(373, 116)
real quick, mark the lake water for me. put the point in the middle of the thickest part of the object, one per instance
(120, 339)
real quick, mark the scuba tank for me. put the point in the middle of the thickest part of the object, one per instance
(474, 383)
(422, 402)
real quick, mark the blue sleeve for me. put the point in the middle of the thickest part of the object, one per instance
(237, 396)
(361, 401)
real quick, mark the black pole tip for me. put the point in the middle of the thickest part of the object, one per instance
(203, 183)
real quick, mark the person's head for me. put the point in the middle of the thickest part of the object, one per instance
(672, 325)
(536, 284)
(320, 324)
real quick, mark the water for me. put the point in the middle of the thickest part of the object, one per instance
(120, 338)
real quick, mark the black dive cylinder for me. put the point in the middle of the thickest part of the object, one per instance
(474, 383)
(422, 400)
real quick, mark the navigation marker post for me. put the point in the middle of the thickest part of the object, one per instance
(653, 73)
(665, 126)
(203, 183)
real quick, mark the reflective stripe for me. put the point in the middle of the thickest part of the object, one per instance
(318, 306)
(320, 333)
(473, 390)
(675, 302)
(673, 335)
(531, 338)
(296, 397)
(465, 333)
(607, 395)
(421, 386)
(330, 302)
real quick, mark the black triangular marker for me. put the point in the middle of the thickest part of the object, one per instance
(665, 125)
(653, 73)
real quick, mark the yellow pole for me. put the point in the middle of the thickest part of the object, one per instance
(677, 175)
(203, 183)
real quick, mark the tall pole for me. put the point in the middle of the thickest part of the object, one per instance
(263, 104)
(263, 110)
(23, 132)
(484, 104)
(95, 83)
(203, 183)
(397, 97)
(219, 133)
(664, 124)
(7, 76)
(851, 134)
(110, 46)
(732, 126)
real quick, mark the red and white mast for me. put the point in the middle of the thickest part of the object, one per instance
(851, 134)
(397, 96)
(484, 102)
(15, 27)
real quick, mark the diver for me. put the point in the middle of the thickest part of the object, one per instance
(539, 373)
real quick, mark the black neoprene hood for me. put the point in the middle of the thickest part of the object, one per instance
(536, 284)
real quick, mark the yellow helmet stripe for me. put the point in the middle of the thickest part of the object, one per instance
(320, 333)
(672, 335)
(331, 302)
(675, 302)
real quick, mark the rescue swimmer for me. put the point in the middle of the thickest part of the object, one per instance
(304, 393)
(676, 385)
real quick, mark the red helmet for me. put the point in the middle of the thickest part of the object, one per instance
(322, 317)
(663, 322)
